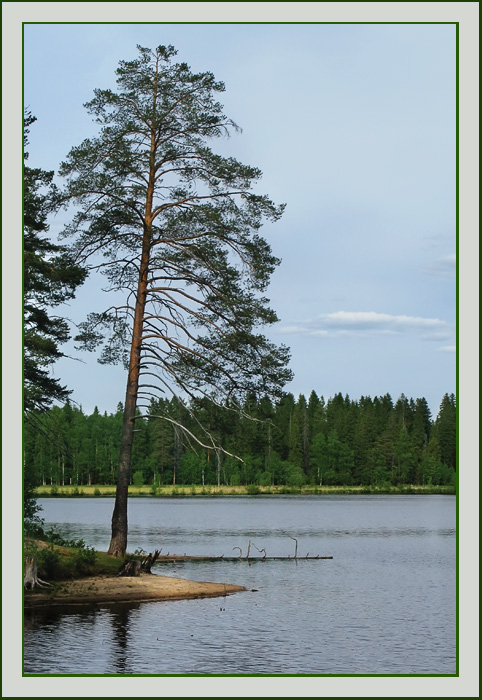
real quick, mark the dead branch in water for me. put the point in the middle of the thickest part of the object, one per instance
(174, 557)
(260, 550)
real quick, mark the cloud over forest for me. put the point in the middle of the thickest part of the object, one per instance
(369, 323)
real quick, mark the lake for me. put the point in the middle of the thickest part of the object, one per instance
(385, 603)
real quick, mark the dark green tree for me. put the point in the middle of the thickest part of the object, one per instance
(446, 430)
(177, 226)
(301, 444)
(404, 410)
(319, 458)
(431, 461)
(316, 415)
(50, 278)
(162, 443)
(364, 438)
(403, 471)
(283, 420)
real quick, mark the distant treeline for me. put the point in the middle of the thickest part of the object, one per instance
(292, 442)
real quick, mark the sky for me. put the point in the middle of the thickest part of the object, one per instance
(353, 127)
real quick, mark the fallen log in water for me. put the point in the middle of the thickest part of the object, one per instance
(169, 558)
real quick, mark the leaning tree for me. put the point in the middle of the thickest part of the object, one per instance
(174, 226)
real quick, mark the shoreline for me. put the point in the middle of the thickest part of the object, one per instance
(106, 490)
(99, 590)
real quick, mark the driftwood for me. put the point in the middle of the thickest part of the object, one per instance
(150, 560)
(134, 567)
(31, 578)
(130, 568)
(260, 550)
(175, 558)
(171, 558)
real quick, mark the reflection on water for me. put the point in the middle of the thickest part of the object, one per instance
(384, 604)
(120, 632)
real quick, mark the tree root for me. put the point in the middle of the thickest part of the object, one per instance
(31, 578)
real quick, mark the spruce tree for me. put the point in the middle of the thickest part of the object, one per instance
(178, 229)
(446, 430)
(50, 278)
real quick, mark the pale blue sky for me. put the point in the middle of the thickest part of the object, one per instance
(353, 127)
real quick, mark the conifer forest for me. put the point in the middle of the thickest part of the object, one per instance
(292, 442)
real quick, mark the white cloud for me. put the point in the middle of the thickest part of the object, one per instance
(374, 320)
(448, 348)
(368, 323)
(437, 335)
(443, 266)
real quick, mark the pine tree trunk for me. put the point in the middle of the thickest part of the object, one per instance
(118, 543)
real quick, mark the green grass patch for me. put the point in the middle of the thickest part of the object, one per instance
(166, 491)
(59, 563)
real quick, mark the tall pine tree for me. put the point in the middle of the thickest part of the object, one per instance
(178, 228)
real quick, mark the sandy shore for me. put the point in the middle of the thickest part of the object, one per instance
(120, 589)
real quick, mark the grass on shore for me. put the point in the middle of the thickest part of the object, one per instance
(57, 562)
(249, 490)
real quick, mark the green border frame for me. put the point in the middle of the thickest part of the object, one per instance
(457, 341)
(457, 219)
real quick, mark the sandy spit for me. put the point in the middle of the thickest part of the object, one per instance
(124, 589)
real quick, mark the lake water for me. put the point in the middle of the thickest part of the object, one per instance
(385, 603)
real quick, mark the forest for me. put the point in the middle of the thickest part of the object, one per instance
(293, 442)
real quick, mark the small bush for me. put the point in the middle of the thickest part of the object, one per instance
(265, 479)
(253, 490)
(54, 489)
(296, 478)
(30, 549)
(235, 479)
(97, 492)
(49, 563)
(84, 560)
(138, 479)
(288, 489)
(34, 527)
